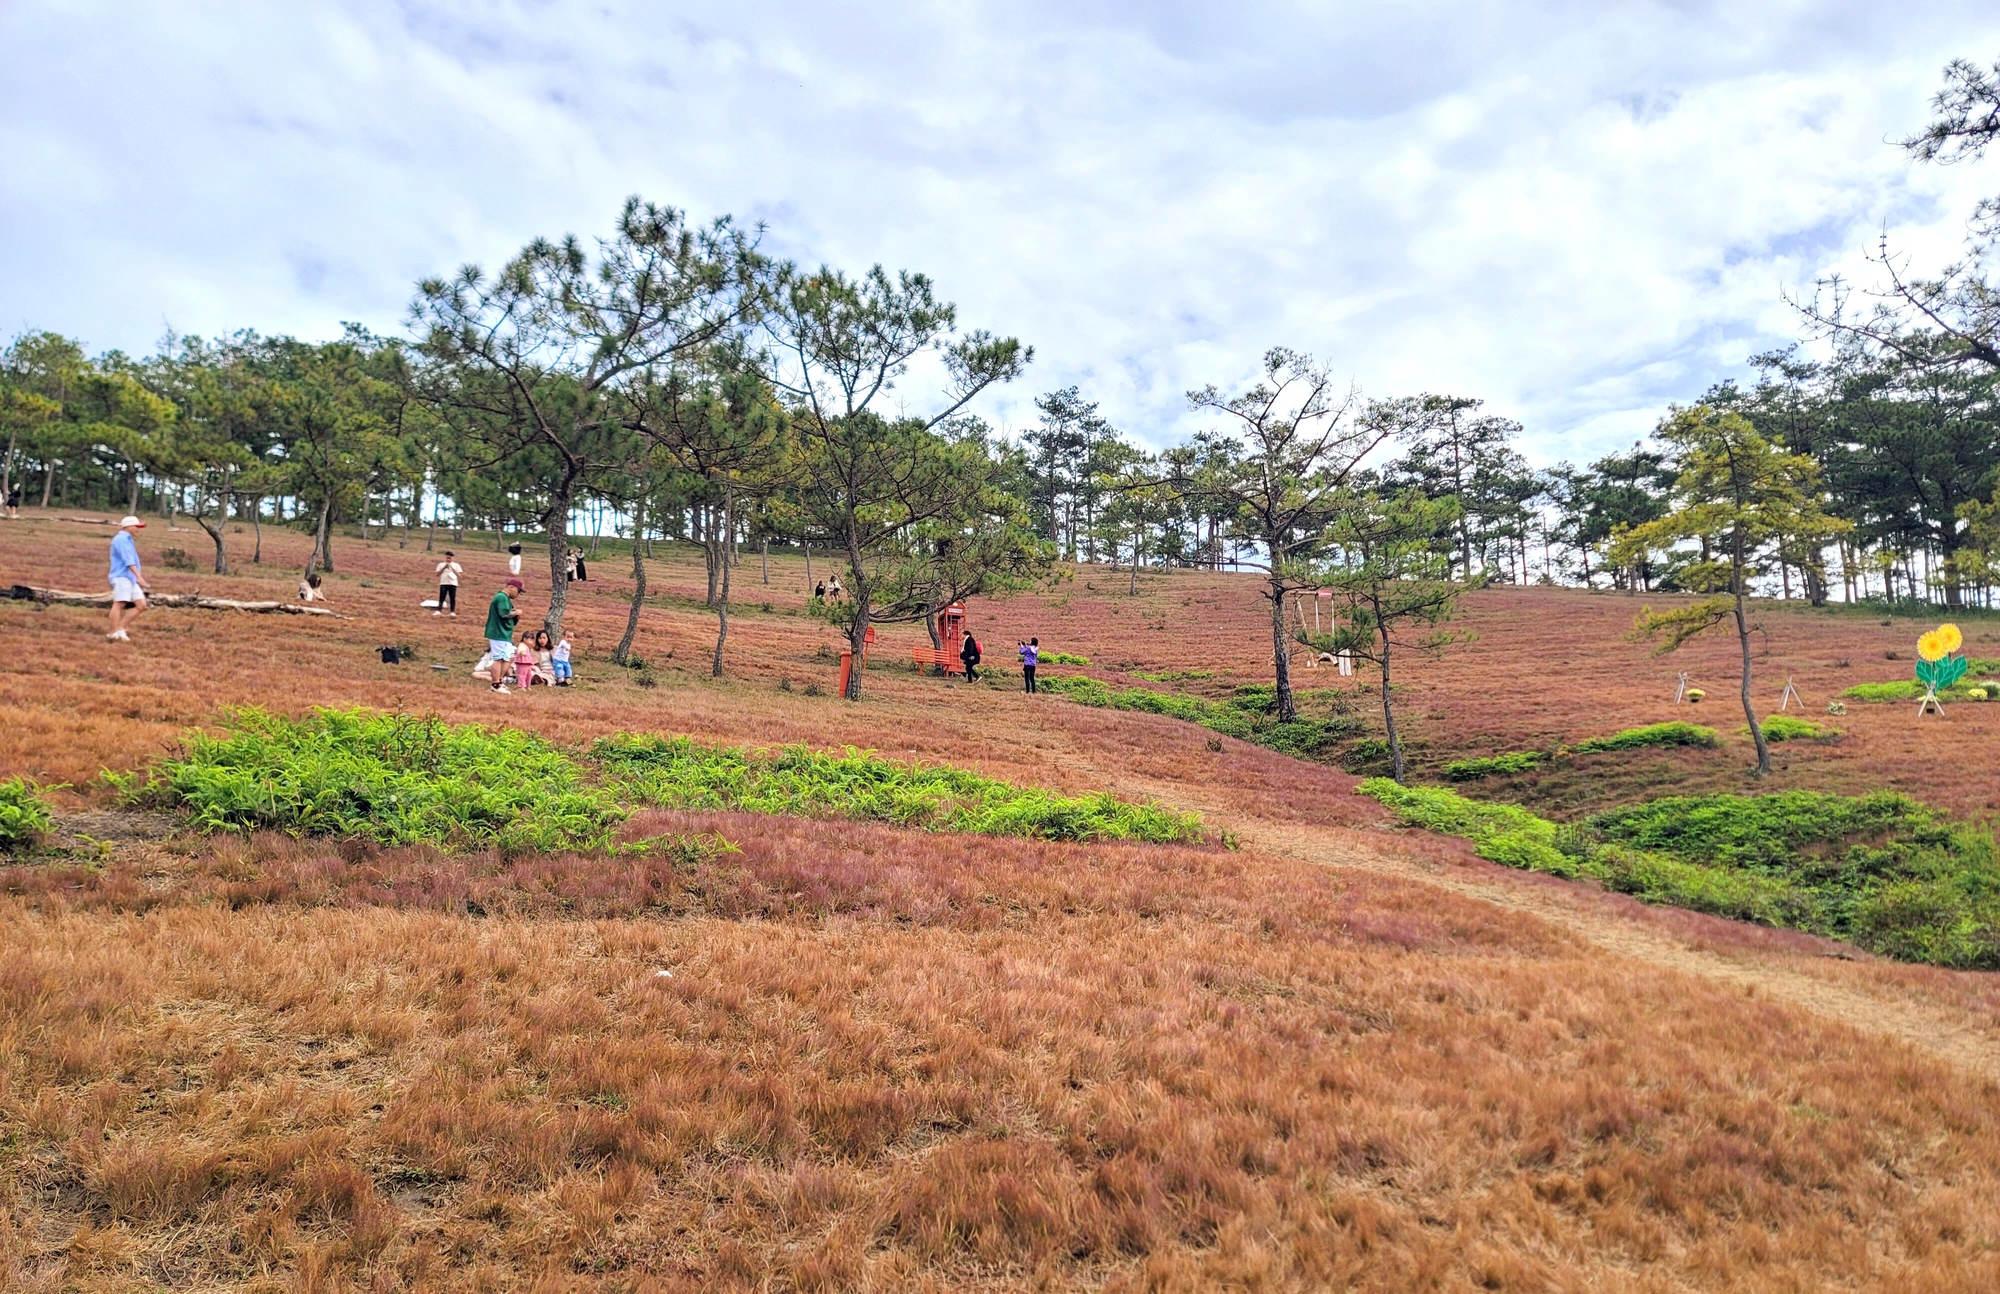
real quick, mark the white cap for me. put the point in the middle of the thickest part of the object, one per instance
(130, 522)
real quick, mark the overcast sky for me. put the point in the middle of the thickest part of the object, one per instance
(1579, 211)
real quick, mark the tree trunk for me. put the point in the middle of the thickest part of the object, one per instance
(714, 548)
(257, 529)
(558, 559)
(322, 551)
(722, 604)
(764, 554)
(624, 651)
(1281, 655)
(217, 532)
(7, 467)
(809, 565)
(1743, 640)
(1396, 767)
(48, 482)
(857, 634)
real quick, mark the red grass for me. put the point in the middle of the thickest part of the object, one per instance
(886, 1061)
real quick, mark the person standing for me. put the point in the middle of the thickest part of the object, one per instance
(513, 559)
(448, 572)
(14, 501)
(1031, 656)
(501, 617)
(968, 654)
(128, 582)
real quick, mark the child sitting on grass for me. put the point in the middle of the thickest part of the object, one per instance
(559, 662)
(524, 663)
(545, 672)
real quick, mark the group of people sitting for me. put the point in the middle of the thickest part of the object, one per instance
(536, 658)
(822, 591)
(533, 660)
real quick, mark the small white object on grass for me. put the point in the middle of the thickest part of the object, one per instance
(663, 974)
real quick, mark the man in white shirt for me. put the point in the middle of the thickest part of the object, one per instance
(448, 572)
(128, 582)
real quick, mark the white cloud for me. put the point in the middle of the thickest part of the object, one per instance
(1579, 211)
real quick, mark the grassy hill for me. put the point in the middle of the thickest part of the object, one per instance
(1307, 1051)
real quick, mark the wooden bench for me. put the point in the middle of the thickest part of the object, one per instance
(937, 657)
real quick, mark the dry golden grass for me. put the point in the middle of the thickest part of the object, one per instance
(895, 1061)
(952, 1062)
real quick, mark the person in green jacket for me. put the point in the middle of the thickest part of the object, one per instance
(501, 617)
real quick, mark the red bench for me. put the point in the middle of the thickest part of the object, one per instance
(937, 657)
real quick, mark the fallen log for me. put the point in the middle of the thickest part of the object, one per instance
(29, 593)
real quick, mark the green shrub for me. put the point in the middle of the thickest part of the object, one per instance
(1903, 690)
(1767, 832)
(1879, 870)
(1250, 715)
(24, 817)
(1513, 761)
(681, 773)
(1062, 658)
(393, 778)
(1741, 896)
(1788, 727)
(1676, 733)
(1503, 833)
(399, 779)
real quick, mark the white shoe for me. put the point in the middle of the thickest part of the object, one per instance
(437, 613)
(501, 688)
(120, 636)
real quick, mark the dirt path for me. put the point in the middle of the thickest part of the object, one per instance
(1955, 1036)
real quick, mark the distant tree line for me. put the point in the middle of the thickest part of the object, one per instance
(680, 383)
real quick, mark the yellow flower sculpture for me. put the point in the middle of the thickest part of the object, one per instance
(1938, 669)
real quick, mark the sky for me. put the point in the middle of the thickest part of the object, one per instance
(1578, 211)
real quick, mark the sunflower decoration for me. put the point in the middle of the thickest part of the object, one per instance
(1937, 666)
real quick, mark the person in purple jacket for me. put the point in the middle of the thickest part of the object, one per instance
(1031, 655)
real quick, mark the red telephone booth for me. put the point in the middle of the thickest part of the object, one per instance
(951, 639)
(951, 633)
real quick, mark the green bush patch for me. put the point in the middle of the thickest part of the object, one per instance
(1250, 714)
(1907, 689)
(1522, 761)
(1503, 833)
(1910, 690)
(1677, 733)
(403, 780)
(1514, 761)
(680, 773)
(1789, 727)
(24, 818)
(393, 778)
(1880, 871)
(1062, 658)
